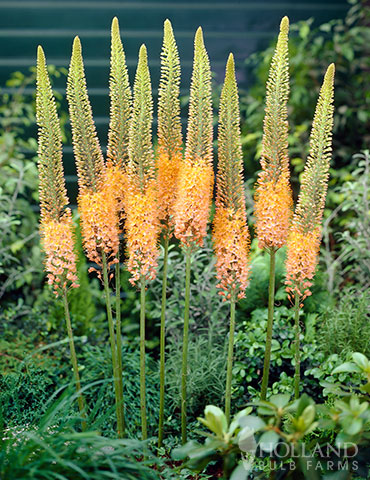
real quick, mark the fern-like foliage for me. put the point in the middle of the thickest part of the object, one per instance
(141, 165)
(275, 159)
(169, 122)
(315, 177)
(121, 102)
(86, 147)
(200, 131)
(52, 190)
(230, 192)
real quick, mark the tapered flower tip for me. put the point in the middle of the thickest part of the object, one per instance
(199, 42)
(168, 27)
(40, 54)
(143, 54)
(284, 25)
(76, 48)
(329, 75)
(230, 66)
(115, 25)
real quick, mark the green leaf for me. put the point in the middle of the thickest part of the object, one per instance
(280, 401)
(347, 367)
(361, 360)
(241, 472)
(215, 420)
(268, 441)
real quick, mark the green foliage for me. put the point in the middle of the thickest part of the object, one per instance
(206, 373)
(345, 327)
(206, 306)
(55, 449)
(20, 258)
(343, 42)
(286, 439)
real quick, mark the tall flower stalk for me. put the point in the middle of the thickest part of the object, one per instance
(142, 224)
(117, 155)
(168, 163)
(230, 231)
(273, 197)
(305, 233)
(195, 185)
(97, 206)
(56, 227)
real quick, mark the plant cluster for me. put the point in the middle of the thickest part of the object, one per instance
(124, 194)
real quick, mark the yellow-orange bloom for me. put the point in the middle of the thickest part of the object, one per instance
(231, 243)
(302, 259)
(230, 230)
(169, 128)
(305, 234)
(167, 176)
(58, 243)
(273, 197)
(196, 176)
(99, 225)
(116, 184)
(273, 210)
(142, 229)
(193, 201)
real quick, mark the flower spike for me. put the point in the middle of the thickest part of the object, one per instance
(142, 215)
(56, 228)
(169, 126)
(273, 198)
(196, 172)
(87, 151)
(119, 125)
(231, 236)
(121, 102)
(97, 206)
(305, 234)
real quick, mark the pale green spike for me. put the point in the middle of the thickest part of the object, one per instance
(169, 123)
(315, 177)
(200, 131)
(86, 147)
(230, 157)
(140, 143)
(121, 102)
(52, 190)
(275, 159)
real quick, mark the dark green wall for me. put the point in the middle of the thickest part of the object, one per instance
(239, 26)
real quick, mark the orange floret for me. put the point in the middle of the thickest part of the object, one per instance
(231, 244)
(142, 230)
(99, 225)
(168, 173)
(273, 210)
(58, 242)
(193, 202)
(302, 259)
(116, 183)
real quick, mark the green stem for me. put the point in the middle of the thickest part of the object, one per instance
(142, 362)
(162, 343)
(270, 321)
(80, 399)
(229, 373)
(112, 339)
(185, 346)
(119, 345)
(297, 375)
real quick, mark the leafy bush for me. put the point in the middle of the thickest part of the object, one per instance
(346, 327)
(206, 373)
(55, 449)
